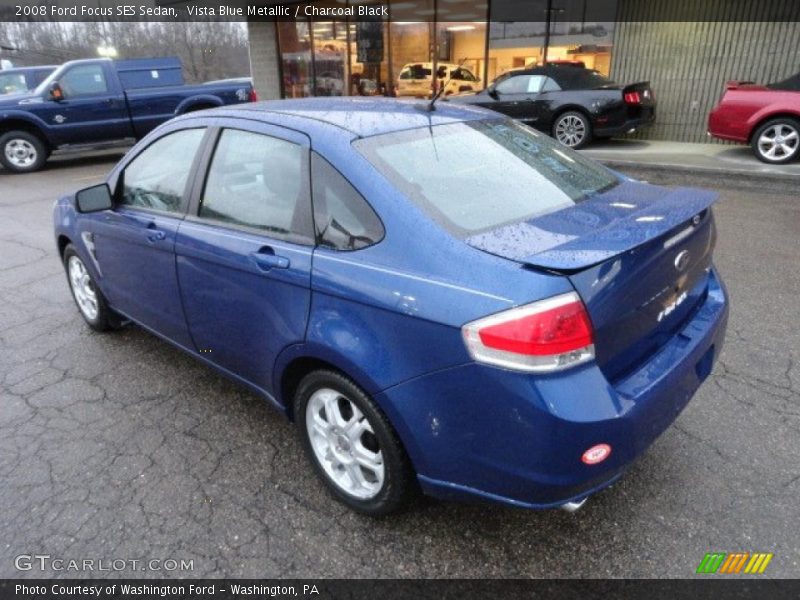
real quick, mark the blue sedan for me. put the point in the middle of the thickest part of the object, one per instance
(442, 300)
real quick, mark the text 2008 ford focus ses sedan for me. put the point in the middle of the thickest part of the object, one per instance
(440, 299)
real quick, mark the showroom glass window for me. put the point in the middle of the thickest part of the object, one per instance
(156, 179)
(580, 33)
(294, 40)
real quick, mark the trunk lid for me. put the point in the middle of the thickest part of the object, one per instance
(638, 255)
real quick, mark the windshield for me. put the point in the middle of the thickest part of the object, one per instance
(45, 85)
(475, 176)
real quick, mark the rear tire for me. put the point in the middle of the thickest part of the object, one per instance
(777, 141)
(22, 152)
(572, 129)
(351, 445)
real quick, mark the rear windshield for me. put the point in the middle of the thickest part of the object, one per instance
(475, 176)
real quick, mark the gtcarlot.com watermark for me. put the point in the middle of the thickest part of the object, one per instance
(46, 562)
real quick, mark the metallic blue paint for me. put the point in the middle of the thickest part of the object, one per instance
(390, 315)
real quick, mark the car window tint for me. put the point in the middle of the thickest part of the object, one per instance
(83, 80)
(259, 181)
(550, 85)
(343, 219)
(463, 75)
(156, 178)
(520, 84)
(477, 175)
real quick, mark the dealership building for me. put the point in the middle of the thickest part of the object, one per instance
(687, 49)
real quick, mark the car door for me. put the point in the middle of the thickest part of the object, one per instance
(92, 108)
(244, 253)
(515, 96)
(134, 243)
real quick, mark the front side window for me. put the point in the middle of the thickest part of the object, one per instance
(343, 219)
(261, 182)
(475, 176)
(83, 80)
(156, 179)
(521, 84)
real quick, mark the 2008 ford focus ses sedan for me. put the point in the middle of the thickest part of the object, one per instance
(441, 300)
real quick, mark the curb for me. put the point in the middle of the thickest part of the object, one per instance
(728, 177)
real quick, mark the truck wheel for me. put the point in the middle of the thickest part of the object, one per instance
(22, 152)
(777, 141)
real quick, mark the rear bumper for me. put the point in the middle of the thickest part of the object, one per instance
(478, 432)
(725, 125)
(627, 126)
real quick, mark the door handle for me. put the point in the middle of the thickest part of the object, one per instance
(153, 234)
(266, 259)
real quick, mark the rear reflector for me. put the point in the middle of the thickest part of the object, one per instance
(632, 98)
(545, 336)
(596, 454)
(253, 96)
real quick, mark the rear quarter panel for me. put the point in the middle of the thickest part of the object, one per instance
(741, 110)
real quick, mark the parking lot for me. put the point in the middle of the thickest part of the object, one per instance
(121, 447)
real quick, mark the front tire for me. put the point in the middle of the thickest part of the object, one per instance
(777, 141)
(22, 152)
(90, 300)
(351, 444)
(572, 129)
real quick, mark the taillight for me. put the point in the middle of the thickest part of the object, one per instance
(545, 336)
(252, 96)
(632, 98)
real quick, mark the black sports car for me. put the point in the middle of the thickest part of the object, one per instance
(571, 103)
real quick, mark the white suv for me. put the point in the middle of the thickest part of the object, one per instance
(415, 79)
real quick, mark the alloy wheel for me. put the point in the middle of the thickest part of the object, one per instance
(83, 288)
(344, 443)
(779, 142)
(570, 130)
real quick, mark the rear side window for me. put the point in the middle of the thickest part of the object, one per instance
(343, 219)
(156, 178)
(261, 182)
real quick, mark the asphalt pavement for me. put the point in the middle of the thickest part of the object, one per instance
(120, 447)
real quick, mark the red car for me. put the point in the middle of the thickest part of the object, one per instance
(765, 116)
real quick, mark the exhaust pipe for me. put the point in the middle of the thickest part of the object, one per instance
(572, 507)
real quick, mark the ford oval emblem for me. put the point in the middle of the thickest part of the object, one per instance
(682, 260)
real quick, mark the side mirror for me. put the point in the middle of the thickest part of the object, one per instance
(93, 199)
(492, 92)
(56, 93)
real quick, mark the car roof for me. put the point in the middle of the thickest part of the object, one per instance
(363, 117)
